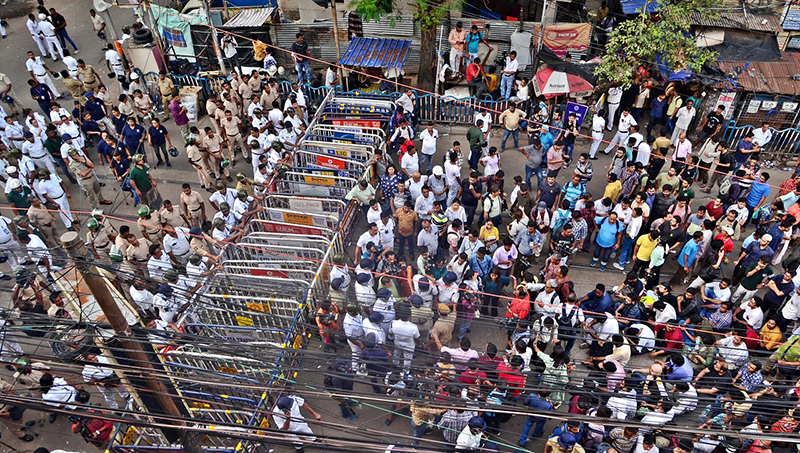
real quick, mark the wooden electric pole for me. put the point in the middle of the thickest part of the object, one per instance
(76, 249)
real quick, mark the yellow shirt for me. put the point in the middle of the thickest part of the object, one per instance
(770, 339)
(487, 233)
(612, 190)
(646, 247)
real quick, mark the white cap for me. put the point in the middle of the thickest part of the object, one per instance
(437, 170)
(11, 169)
(134, 75)
(15, 184)
(767, 237)
(42, 16)
(728, 230)
(271, 138)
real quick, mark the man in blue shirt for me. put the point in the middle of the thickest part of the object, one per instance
(759, 191)
(597, 301)
(97, 109)
(300, 56)
(158, 140)
(541, 402)
(573, 190)
(657, 107)
(686, 258)
(609, 238)
(481, 262)
(744, 149)
(42, 94)
(679, 369)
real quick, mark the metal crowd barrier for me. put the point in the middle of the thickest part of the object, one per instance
(307, 204)
(354, 151)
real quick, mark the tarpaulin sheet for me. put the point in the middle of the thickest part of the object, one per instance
(376, 53)
(175, 29)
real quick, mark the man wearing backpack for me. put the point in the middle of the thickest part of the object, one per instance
(569, 317)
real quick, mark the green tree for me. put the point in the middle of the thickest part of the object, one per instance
(428, 14)
(665, 37)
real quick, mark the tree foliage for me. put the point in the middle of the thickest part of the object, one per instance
(662, 39)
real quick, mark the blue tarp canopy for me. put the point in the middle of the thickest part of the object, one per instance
(376, 53)
(637, 6)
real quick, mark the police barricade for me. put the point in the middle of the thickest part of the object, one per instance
(309, 219)
(327, 172)
(257, 250)
(272, 268)
(297, 240)
(346, 134)
(338, 166)
(356, 105)
(363, 153)
(266, 226)
(314, 186)
(306, 204)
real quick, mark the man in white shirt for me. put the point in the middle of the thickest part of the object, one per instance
(733, 349)
(405, 335)
(49, 32)
(683, 118)
(288, 419)
(114, 61)
(614, 98)
(331, 77)
(229, 45)
(486, 116)
(598, 123)
(99, 373)
(53, 190)
(762, 136)
(642, 336)
(141, 296)
(36, 34)
(626, 120)
(428, 138)
(414, 185)
(39, 71)
(423, 205)
(386, 227)
(34, 148)
(509, 71)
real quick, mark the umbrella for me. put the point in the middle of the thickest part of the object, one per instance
(550, 81)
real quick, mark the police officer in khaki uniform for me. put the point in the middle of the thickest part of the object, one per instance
(7, 90)
(89, 75)
(105, 225)
(11, 416)
(167, 89)
(213, 144)
(150, 225)
(232, 131)
(193, 206)
(83, 169)
(197, 160)
(202, 244)
(171, 216)
(98, 239)
(138, 253)
(43, 220)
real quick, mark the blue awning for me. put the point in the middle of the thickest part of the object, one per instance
(376, 53)
(637, 6)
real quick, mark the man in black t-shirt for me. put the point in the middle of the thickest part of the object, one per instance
(470, 195)
(711, 126)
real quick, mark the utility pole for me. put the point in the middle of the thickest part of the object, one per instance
(339, 71)
(102, 7)
(215, 39)
(76, 249)
(540, 38)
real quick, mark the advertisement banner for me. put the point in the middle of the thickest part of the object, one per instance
(562, 38)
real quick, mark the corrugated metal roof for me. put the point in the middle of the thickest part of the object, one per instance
(636, 6)
(250, 17)
(376, 53)
(740, 20)
(765, 77)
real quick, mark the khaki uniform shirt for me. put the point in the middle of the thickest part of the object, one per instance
(4, 82)
(79, 167)
(192, 201)
(444, 327)
(142, 103)
(139, 254)
(40, 217)
(202, 246)
(213, 144)
(231, 127)
(126, 108)
(219, 115)
(254, 84)
(88, 74)
(121, 243)
(267, 98)
(232, 106)
(245, 91)
(100, 239)
(75, 87)
(194, 154)
(166, 87)
(151, 226)
(173, 218)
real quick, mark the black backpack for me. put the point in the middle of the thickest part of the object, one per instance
(566, 321)
(339, 368)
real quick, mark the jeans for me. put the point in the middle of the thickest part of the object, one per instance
(160, 149)
(568, 344)
(126, 185)
(627, 250)
(470, 214)
(751, 210)
(506, 133)
(425, 162)
(480, 88)
(653, 121)
(537, 430)
(419, 431)
(462, 330)
(568, 150)
(506, 84)
(604, 251)
(452, 192)
(475, 157)
(303, 73)
(45, 106)
(530, 172)
(64, 36)
(402, 242)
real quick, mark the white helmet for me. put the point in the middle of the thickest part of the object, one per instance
(281, 70)
(42, 16)
(271, 138)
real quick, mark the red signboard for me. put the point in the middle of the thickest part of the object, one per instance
(268, 273)
(330, 162)
(357, 123)
(272, 227)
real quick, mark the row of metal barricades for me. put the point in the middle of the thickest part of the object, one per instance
(249, 327)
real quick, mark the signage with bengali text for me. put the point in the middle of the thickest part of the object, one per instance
(330, 162)
(318, 180)
(357, 123)
(271, 227)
